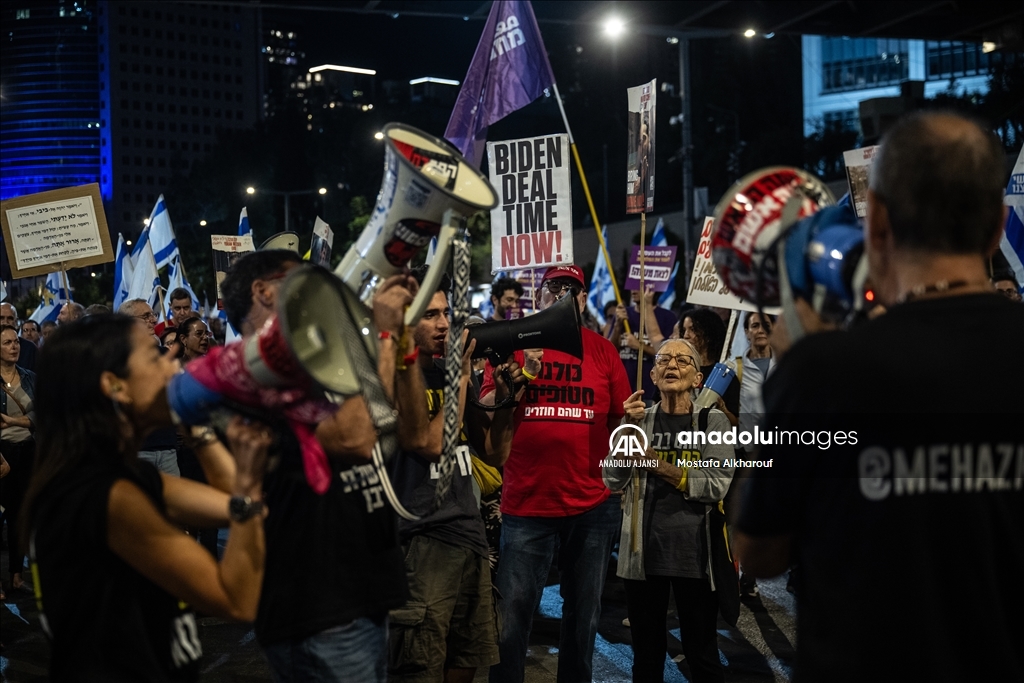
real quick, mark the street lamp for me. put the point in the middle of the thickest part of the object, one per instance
(614, 27)
(202, 224)
(378, 135)
(287, 197)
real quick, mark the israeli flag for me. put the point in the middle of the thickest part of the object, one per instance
(243, 223)
(1012, 243)
(601, 289)
(146, 278)
(658, 239)
(124, 268)
(176, 279)
(161, 234)
(668, 297)
(54, 297)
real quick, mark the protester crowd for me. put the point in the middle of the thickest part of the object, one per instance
(101, 487)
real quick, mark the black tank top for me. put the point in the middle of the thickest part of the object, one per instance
(105, 621)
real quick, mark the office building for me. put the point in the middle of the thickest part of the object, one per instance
(172, 77)
(51, 125)
(840, 72)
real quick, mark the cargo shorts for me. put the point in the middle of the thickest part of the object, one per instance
(450, 620)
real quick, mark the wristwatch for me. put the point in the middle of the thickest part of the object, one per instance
(243, 508)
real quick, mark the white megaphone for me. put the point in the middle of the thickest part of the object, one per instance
(429, 189)
(282, 240)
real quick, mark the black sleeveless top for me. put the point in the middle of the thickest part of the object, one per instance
(105, 621)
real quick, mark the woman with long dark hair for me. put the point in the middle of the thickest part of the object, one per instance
(17, 428)
(116, 579)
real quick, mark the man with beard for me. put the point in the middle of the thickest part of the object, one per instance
(448, 629)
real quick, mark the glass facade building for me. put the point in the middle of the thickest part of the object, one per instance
(50, 116)
(841, 72)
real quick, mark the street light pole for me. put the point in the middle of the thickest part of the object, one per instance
(686, 95)
(287, 199)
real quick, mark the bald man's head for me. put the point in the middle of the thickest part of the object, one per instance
(940, 177)
(8, 314)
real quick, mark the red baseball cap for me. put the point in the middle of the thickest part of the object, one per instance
(571, 272)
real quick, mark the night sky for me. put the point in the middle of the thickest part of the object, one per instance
(592, 71)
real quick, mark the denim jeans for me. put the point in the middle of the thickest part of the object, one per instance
(527, 546)
(166, 461)
(356, 651)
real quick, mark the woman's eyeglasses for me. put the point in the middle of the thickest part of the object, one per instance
(663, 359)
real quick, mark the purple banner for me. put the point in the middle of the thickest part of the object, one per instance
(509, 70)
(658, 262)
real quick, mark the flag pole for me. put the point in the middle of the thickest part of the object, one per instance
(590, 201)
(64, 279)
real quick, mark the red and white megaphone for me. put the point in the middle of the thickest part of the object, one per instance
(312, 342)
(428, 189)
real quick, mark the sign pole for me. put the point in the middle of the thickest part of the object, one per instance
(640, 327)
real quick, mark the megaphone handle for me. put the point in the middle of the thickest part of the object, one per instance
(451, 225)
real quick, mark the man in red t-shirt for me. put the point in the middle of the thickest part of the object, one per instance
(553, 491)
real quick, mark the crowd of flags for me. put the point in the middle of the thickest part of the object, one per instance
(137, 272)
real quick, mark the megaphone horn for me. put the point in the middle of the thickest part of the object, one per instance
(556, 328)
(424, 177)
(282, 240)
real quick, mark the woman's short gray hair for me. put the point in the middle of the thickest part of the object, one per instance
(693, 354)
(693, 350)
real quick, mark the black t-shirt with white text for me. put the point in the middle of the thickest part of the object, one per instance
(331, 558)
(107, 623)
(673, 525)
(904, 494)
(458, 521)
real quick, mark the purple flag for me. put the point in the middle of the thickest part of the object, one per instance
(509, 70)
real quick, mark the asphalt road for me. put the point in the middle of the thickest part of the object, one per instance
(759, 649)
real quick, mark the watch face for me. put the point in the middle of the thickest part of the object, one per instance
(241, 508)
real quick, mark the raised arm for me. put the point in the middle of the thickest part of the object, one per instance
(153, 546)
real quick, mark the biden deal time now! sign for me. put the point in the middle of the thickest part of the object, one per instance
(532, 225)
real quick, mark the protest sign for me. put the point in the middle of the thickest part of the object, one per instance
(658, 262)
(532, 225)
(640, 152)
(858, 166)
(226, 250)
(322, 243)
(707, 288)
(55, 230)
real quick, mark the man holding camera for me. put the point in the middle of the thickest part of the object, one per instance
(553, 492)
(910, 533)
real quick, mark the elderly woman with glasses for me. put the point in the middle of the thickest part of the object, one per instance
(672, 532)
